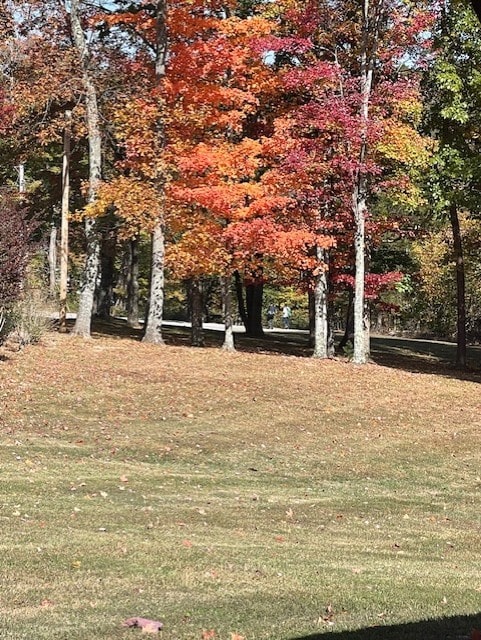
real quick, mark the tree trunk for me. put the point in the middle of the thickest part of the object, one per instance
(254, 296)
(311, 305)
(349, 327)
(370, 35)
(132, 278)
(86, 301)
(153, 324)
(460, 288)
(331, 346)
(360, 356)
(63, 284)
(320, 308)
(227, 312)
(196, 308)
(21, 178)
(52, 263)
(107, 272)
(239, 289)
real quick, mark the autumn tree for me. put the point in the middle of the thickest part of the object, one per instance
(169, 131)
(350, 93)
(137, 128)
(215, 144)
(452, 112)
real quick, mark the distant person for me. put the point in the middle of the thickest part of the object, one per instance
(271, 312)
(286, 316)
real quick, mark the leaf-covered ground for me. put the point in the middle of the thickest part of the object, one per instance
(264, 496)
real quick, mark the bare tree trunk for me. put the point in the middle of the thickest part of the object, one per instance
(133, 284)
(86, 301)
(460, 287)
(311, 305)
(359, 205)
(239, 289)
(153, 325)
(196, 307)
(227, 312)
(331, 346)
(254, 296)
(105, 292)
(370, 34)
(52, 262)
(320, 308)
(64, 223)
(21, 178)
(349, 326)
(87, 293)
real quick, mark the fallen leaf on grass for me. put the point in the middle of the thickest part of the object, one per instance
(46, 603)
(147, 626)
(236, 636)
(208, 634)
(187, 543)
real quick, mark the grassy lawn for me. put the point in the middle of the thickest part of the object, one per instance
(254, 495)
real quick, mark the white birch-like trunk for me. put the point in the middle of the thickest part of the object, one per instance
(361, 340)
(52, 262)
(227, 312)
(370, 35)
(86, 300)
(153, 324)
(63, 284)
(320, 308)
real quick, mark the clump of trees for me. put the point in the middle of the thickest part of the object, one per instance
(291, 144)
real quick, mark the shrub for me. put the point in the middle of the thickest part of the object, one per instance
(28, 319)
(16, 231)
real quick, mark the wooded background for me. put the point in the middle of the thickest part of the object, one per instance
(206, 159)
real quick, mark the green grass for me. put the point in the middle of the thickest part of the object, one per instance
(269, 496)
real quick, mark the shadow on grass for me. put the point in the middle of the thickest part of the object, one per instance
(425, 356)
(413, 355)
(449, 628)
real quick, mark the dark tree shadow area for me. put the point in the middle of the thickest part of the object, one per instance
(449, 628)
(413, 355)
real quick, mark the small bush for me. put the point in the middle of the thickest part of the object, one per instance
(348, 350)
(16, 231)
(26, 321)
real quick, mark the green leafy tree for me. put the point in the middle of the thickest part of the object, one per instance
(453, 116)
